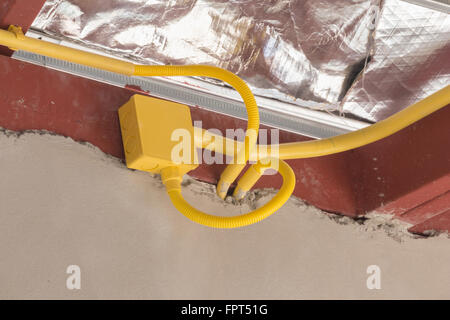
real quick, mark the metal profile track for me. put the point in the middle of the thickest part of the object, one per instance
(293, 118)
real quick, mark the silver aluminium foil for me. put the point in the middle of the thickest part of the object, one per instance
(365, 57)
(411, 60)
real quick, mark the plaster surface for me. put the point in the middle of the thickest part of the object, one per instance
(64, 203)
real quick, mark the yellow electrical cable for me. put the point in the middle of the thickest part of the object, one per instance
(316, 148)
(15, 40)
(344, 142)
(172, 180)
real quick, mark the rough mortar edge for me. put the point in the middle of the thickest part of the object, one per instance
(371, 222)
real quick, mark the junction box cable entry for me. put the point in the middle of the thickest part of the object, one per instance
(147, 125)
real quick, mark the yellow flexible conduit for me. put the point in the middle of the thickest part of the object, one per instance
(172, 180)
(14, 39)
(347, 141)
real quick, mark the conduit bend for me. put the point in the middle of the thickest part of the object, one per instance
(172, 180)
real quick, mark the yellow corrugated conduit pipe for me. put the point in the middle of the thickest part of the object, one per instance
(14, 39)
(172, 180)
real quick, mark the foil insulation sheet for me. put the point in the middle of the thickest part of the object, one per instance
(411, 60)
(328, 54)
(283, 49)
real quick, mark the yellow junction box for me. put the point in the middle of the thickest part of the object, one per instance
(157, 134)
